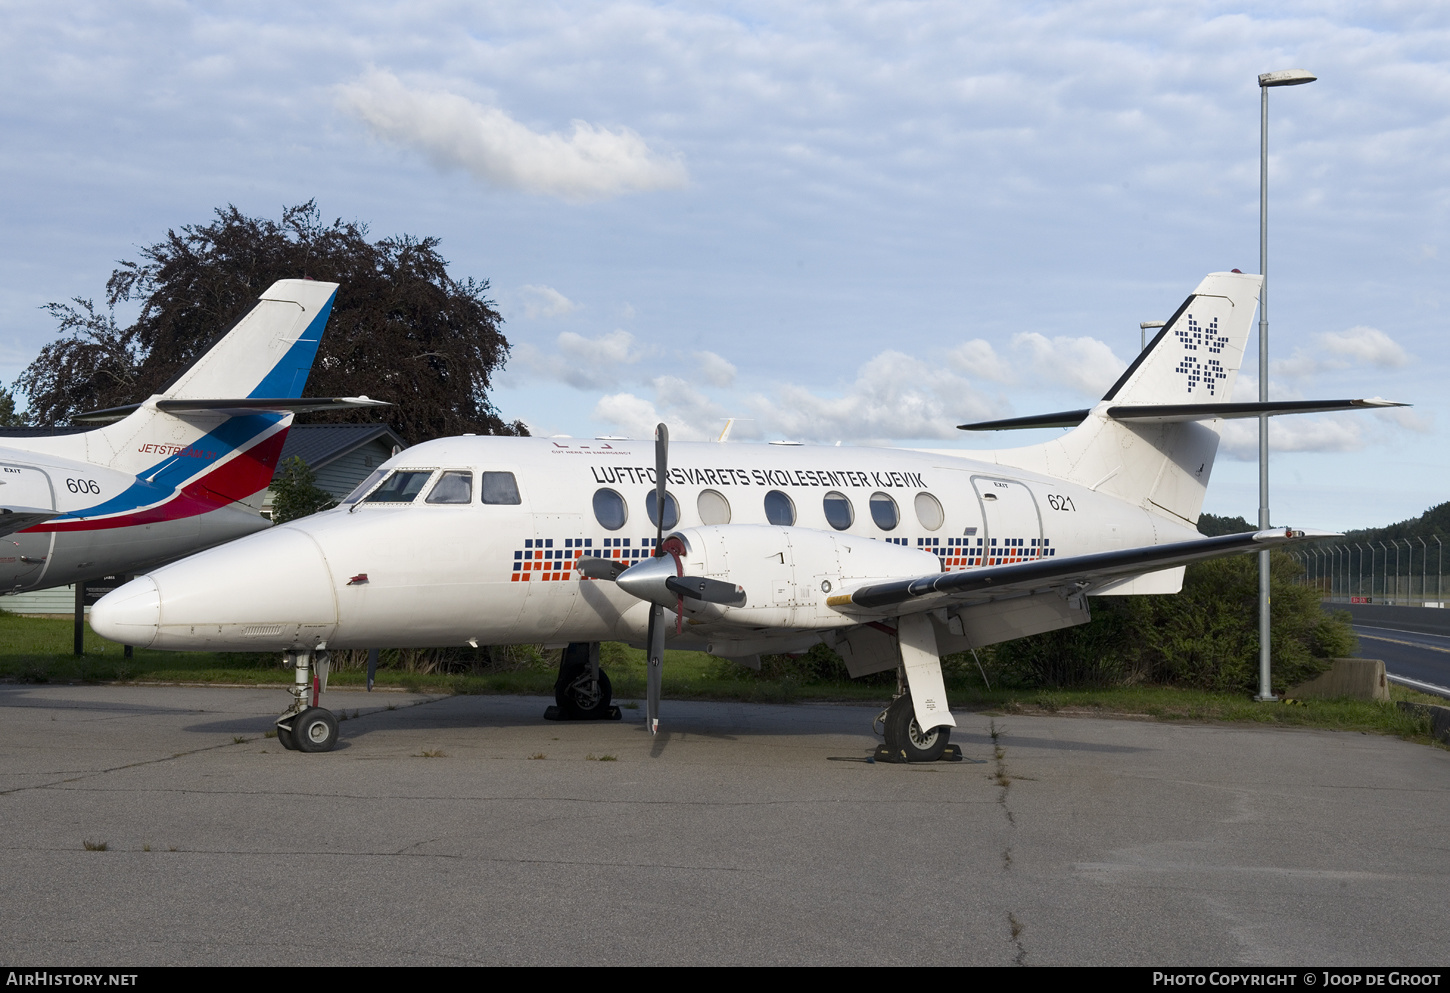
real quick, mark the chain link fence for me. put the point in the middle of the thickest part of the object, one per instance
(1400, 571)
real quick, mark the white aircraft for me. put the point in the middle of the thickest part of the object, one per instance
(891, 557)
(180, 472)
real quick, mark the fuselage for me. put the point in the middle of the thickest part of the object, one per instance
(410, 562)
(109, 521)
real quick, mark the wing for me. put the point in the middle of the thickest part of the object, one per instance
(14, 519)
(1080, 573)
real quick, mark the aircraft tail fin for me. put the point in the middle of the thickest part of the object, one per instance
(1163, 464)
(183, 440)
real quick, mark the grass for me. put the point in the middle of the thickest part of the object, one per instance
(39, 650)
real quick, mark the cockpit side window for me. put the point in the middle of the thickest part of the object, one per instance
(364, 486)
(402, 486)
(452, 487)
(500, 487)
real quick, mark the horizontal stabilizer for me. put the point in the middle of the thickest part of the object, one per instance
(1061, 419)
(236, 407)
(1166, 413)
(1076, 573)
(14, 519)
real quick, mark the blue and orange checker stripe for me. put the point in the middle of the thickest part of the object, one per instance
(968, 553)
(540, 559)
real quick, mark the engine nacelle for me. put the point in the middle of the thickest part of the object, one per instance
(787, 572)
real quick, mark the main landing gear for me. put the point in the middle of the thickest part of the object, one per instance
(306, 727)
(906, 741)
(582, 691)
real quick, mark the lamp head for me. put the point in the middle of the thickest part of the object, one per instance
(1286, 77)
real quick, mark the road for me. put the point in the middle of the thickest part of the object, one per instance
(1413, 655)
(465, 830)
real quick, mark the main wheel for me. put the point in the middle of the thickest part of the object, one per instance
(903, 734)
(579, 696)
(314, 730)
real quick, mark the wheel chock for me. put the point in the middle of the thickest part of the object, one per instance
(952, 753)
(552, 713)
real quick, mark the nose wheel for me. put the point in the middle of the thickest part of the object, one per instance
(306, 727)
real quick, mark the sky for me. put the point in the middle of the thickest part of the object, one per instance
(845, 222)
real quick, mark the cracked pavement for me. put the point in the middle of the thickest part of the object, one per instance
(432, 836)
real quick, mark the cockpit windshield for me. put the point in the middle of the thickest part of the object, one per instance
(402, 486)
(364, 486)
(455, 486)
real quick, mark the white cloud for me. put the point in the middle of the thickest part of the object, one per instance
(1084, 365)
(1293, 433)
(630, 415)
(979, 360)
(584, 363)
(1335, 350)
(545, 301)
(1365, 345)
(715, 370)
(893, 396)
(593, 163)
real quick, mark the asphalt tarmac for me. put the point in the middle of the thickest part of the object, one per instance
(466, 830)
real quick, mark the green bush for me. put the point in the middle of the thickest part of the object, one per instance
(1206, 637)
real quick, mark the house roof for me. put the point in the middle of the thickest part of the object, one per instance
(319, 444)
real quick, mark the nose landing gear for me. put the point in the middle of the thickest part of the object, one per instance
(306, 727)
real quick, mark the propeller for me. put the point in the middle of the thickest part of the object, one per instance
(658, 581)
(656, 637)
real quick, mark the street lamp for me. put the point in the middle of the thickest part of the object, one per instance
(1287, 77)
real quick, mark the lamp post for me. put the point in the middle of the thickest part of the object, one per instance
(1287, 77)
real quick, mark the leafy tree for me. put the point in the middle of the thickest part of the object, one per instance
(1212, 525)
(296, 493)
(402, 329)
(9, 418)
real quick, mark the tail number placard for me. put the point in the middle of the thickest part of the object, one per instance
(1059, 502)
(83, 486)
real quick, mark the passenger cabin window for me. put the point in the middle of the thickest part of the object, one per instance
(402, 486)
(884, 512)
(713, 507)
(610, 510)
(500, 488)
(452, 487)
(779, 509)
(839, 512)
(929, 512)
(364, 486)
(672, 509)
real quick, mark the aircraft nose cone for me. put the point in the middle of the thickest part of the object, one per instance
(130, 614)
(269, 591)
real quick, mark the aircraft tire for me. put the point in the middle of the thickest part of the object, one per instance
(314, 730)
(284, 738)
(574, 696)
(903, 734)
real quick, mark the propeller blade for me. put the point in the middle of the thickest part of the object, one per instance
(372, 667)
(596, 568)
(662, 470)
(656, 663)
(708, 590)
